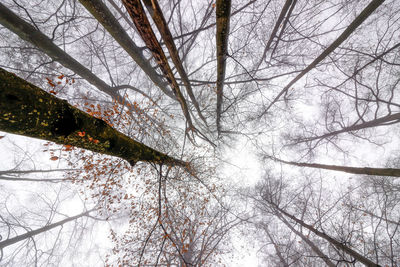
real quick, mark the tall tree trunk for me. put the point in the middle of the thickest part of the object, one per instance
(278, 23)
(349, 30)
(317, 251)
(223, 14)
(30, 34)
(276, 247)
(328, 238)
(30, 111)
(162, 26)
(374, 215)
(383, 121)
(354, 170)
(46, 228)
(103, 15)
(139, 18)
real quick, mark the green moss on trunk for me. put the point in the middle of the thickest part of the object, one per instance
(30, 111)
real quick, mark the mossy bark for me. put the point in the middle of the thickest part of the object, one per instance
(30, 111)
(223, 14)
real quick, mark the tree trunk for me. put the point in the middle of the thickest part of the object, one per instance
(139, 18)
(317, 251)
(30, 34)
(278, 23)
(349, 30)
(386, 120)
(31, 234)
(223, 14)
(103, 15)
(30, 111)
(162, 26)
(276, 247)
(331, 240)
(354, 170)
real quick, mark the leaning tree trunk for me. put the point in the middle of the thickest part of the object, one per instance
(30, 34)
(328, 238)
(30, 111)
(341, 38)
(382, 121)
(276, 247)
(354, 170)
(30, 234)
(100, 11)
(317, 251)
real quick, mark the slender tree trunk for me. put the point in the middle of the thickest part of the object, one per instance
(46, 228)
(331, 240)
(139, 18)
(349, 30)
(223, 14)
(100, 11)
(354, 170)
(276, 247)
(23, 179)
(278, 23)
(162, 26)
(386, 120)
(30, 34)
(30, 111)
(374, 215)
(317, 251)
(284, 24)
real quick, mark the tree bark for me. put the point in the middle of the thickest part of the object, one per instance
(276, 247)
(162, 26)
(383, 121)
(328, 238)
(139, 18)
(30, 34)
(317, 251)
(30, 111)
(223, 14)
(278, 23)
(354, 170)
(30, 234)
(103, 15)
(349, 30)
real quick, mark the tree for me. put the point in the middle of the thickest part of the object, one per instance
(30, 111)
(137, 102)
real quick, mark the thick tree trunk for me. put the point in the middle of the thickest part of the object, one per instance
(223, 14)
(100, 11)
(331, 240)
(30, 111)
(349, 30)
(31, 234)
(354, 170)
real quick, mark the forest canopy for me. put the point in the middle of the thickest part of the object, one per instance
(197, 133)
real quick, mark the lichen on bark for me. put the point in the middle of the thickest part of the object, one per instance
(30, 111)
